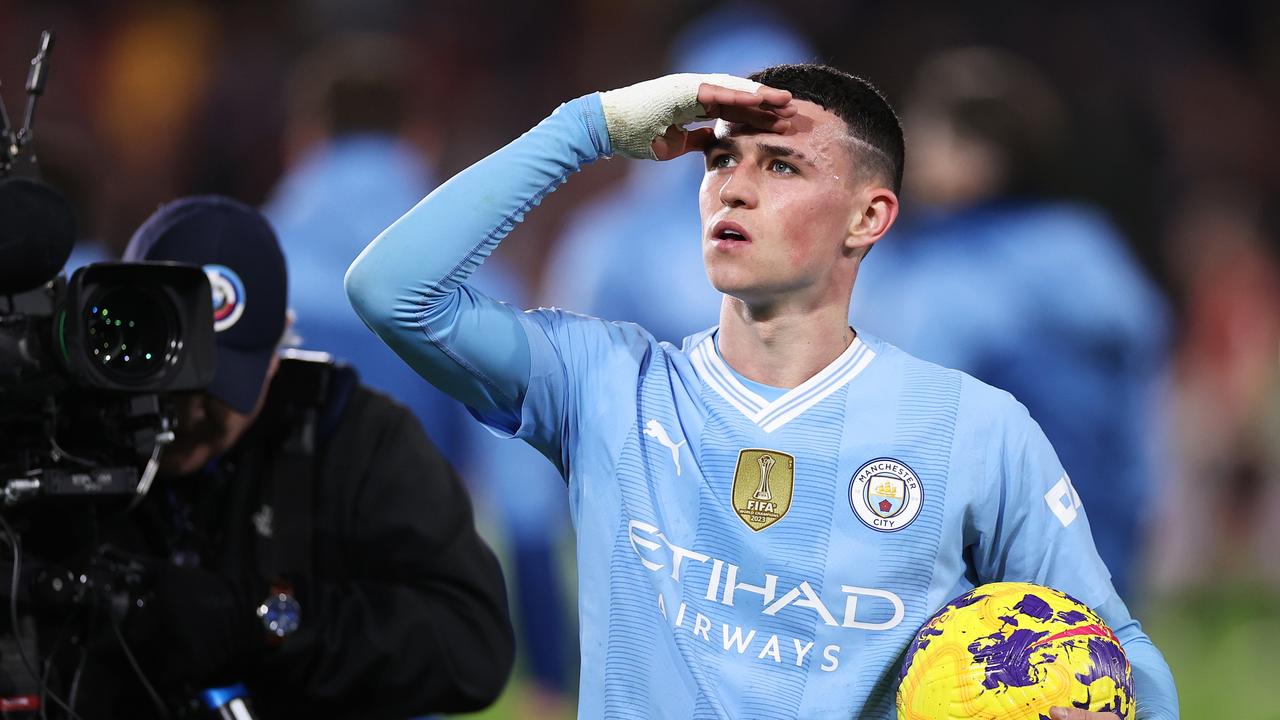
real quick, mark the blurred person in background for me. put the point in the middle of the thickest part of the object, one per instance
(628, 256)
(1212, 564)
(1034, 295)
(357, 161)
(1226, 478)
(304, 537)
(349, 168)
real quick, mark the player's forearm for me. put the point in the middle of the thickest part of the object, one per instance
(1155, 696)
(407, 284)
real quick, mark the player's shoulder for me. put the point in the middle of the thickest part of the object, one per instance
(587, 335)
(895, 360)
(981, 407)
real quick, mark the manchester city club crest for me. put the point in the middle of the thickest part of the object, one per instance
(762, 486)
(886, 494)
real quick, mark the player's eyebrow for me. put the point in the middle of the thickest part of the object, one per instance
(720, 144)
(781, 151)
(768, 149)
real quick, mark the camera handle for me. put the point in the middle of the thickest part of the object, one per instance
(162, 438)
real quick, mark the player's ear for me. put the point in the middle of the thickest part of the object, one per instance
(875, 212)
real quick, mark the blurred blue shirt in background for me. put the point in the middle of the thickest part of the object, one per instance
(1045, 301)
(326, 209)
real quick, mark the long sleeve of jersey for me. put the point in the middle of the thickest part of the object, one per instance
(1039, 533)
(1155, 695)
(408, 285)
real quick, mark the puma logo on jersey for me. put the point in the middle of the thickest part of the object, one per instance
(654, 429)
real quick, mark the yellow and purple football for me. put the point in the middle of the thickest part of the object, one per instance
(1010, 651)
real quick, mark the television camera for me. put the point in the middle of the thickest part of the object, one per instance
(87, 365)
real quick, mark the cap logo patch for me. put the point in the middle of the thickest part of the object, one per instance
(228, 296)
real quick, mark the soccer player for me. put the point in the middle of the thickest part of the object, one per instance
(768, 513)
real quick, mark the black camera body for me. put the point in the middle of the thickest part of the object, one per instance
(88, 367)
(83, 364)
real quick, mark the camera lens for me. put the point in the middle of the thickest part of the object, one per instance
(131, 333)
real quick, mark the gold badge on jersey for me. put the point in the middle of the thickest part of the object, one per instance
(762, 486)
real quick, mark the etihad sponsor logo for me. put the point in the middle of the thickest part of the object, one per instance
(748, 641)
(762, 485)
(724, 586)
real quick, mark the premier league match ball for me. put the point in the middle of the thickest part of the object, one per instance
(1009, 651)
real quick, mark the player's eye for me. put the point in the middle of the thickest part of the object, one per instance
(782, 168)
(723, 160)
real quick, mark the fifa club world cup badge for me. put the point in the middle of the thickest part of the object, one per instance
(228, 296)
(762, 486)
(886, 495)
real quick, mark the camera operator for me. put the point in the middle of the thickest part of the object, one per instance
(310, 541)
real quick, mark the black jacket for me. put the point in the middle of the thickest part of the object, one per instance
(403, 606)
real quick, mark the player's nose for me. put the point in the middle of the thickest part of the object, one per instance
(738, 189)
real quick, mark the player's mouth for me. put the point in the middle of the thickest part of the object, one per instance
(728, 234)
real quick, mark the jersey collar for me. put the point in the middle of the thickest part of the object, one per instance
(770, 416)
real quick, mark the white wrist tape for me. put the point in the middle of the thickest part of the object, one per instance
(637, 114)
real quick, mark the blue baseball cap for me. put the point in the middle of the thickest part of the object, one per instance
(239, 252)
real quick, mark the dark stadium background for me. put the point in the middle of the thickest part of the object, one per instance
(1174, 106)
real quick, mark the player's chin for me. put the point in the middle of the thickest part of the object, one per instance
(728, 280)
(740, 286)
(729, 269)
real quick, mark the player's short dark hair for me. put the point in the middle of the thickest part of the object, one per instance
(855, 101)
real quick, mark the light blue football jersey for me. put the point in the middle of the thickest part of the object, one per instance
(748, 557)
(743, 552)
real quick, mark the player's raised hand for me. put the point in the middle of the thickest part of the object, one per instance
(765, 108)
(646, 120)
(1059, 713)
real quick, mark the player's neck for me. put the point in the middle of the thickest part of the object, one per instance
(782, 348)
